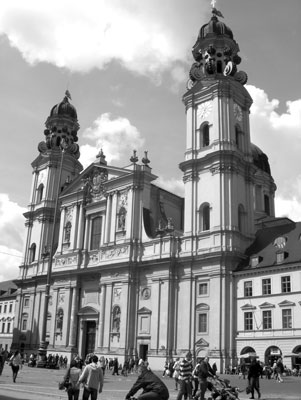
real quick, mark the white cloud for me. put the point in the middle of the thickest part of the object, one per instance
(146, 37)
(278, 135)
(116, 136)
(12, 236)
(173, 185)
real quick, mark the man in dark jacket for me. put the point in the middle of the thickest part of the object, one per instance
(204, 371)
(153, 387)
(255, 371)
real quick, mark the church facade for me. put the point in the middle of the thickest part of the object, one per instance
(115, 265)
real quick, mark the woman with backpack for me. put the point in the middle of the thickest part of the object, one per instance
(71, 378)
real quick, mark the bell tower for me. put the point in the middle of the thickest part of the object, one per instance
(56, 165)
(218, 165)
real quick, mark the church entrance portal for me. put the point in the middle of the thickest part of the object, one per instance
(90, 337)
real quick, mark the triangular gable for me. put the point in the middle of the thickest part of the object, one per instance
(202, 343)
(267, 305)
(144, 310)
(248, 307)
(286, 303)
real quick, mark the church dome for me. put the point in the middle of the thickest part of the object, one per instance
(215, 28)
(260, 159)
(64, 108)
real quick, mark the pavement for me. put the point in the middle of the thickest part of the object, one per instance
(37, 384)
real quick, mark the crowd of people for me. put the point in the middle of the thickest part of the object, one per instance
(191, 379)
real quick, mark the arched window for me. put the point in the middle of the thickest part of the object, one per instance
(205, 138)
(24, 321)
(32, 253)
(95, 233)
(267, 204)
(241, 218)
(204, 217)
(237, 137)
(59, 320)
(116, 313)
(40, 192)
(67, 232)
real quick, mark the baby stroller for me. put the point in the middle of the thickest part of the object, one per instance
(222, 390)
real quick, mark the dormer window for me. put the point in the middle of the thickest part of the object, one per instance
(255, 260)
(281, 256)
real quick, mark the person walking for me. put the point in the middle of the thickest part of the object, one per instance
(195, 377)
(279, 370)
(204, 372)
(185, 378)
(153, 387)
(73, 373)
(254, 373)
(15, 362)
(92, 377)
(176, 373)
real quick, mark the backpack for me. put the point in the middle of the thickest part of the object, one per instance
(74, 377)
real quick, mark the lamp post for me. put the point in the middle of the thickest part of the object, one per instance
(43, 343)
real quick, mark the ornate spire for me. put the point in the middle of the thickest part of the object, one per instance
(215, 52)
(61, 128)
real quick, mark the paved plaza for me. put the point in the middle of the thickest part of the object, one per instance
(38, 384)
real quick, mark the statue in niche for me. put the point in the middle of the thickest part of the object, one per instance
(116, 319)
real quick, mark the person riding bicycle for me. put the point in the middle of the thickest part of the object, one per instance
(153, 387)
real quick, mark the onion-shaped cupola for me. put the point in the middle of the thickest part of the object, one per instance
(215, 53)
(61, 128)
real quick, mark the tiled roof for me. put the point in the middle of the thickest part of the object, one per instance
(278, 237)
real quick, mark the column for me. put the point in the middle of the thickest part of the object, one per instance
(73, 318)
(80, 230)
(103, 289)
(108, 219)
(61, 233)
(113, 218)
(74, 228)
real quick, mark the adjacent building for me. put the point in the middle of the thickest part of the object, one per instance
(8, 294)
(116, 265)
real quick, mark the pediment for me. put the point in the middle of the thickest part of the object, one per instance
(286, 303)
(88, 311)
(94, 181)
(202, 306)
(248, 306)
(202, 343)
(144, 310)
(267, 305)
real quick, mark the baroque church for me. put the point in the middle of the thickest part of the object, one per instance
(114, 264)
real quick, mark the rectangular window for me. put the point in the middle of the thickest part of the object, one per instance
(266, 286)
(3, 327)
(203, 289)
(285, 284)
(0, 308)
(5, 308)
(287, 318)
(26, 302)
(24, 324)
(248, 289)
(11, 307)
(267, 319)
(202, 322)
(248, 321)
(8, 327)
(96, 233)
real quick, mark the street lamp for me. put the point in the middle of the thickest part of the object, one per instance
(49, 253)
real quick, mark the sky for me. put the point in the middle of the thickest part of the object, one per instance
(126, 64)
